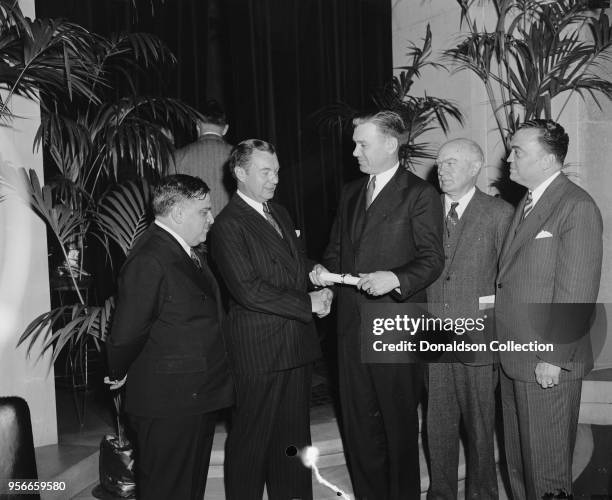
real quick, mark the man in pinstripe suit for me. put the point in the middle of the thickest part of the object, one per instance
(271, 337)
(462, 388)
(550, 262)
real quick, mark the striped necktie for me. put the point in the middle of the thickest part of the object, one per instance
(271, 219)
(195, 258)
(452, 218)
(528, 204)
(370, 191)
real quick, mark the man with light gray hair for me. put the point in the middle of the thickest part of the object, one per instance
(461, 387)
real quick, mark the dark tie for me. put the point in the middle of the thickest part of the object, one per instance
(271, 219)
(370, 191)
(528, 204)
(195, 258)
(452, 219)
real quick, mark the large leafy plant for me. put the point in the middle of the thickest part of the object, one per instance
(96, 129)
(537, 52)
(421, 114)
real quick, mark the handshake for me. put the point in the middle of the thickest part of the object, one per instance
(321, 299)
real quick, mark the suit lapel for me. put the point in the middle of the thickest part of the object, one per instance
(468, 224)
(203, 279)
(387, 199)
(521, 231)
(356, 212)
(263, 230)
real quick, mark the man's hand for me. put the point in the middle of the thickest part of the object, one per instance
(378, 283)
(321, 301)
(547, 375)
(315, 276)
(115, 384)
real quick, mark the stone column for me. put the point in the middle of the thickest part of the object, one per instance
(24, 277)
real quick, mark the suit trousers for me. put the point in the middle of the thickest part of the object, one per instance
(461, 394)
(539, 435)
(172, 455)
(380, 426)
(271, 421)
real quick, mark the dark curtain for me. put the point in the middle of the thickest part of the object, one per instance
(272, 63)
(289, 58)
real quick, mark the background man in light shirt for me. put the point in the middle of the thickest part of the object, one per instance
(461, 388)
(549, 273)
(388, 231)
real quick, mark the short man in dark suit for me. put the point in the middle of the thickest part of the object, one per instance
(207, 156)
(461, 387)
(550, 263)
(166, 337)
(271, 336)
(388, 230)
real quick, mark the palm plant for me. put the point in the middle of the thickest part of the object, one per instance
(43, 58)
(95, 129)
(538, 51)
(420, 114)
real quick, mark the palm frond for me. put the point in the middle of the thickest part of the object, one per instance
(123, 214)
(76, 320)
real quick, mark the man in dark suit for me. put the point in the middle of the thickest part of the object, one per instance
(461, 387)
(388, 230)
(550, 264)
(207, 157)
(166, 336)
(272, 340)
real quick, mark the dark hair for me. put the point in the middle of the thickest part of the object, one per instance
(242, 152)
(388, 122)
(213, 113)
(553, 137)
(174, 189)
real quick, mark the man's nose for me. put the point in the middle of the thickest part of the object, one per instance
(510, 158)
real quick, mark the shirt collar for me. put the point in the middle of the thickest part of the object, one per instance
(211, 133)
(383, 179)
(537, 193)
(252, 203)
(463, 202)
(181, 241)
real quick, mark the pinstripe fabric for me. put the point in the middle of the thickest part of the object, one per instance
(269, 325)
(459, 392)
(271, 341)
(206, 158)
(562, 268)
(539, 436)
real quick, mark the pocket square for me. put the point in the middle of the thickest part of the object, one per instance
(543, 234)
(298, 233)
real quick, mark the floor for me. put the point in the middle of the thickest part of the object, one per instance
(84, 435)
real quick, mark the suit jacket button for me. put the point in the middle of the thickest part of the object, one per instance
(499, 285)
(448, 278)
(194, 395)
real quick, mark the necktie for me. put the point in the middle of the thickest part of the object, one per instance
(271, 219)
(452, 218)
(528, 205)
(370, 191)
(195, 258)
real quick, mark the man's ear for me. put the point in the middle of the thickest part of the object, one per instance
(392, 144)
(240, 173)
(176, 213)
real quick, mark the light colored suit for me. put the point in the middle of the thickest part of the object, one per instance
(207, 158)
(551, 257)
(464, 390)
